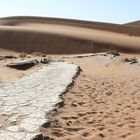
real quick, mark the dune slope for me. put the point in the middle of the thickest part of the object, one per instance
(61, 36)
(134, 24)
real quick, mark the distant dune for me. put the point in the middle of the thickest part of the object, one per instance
(64, 36)
(134, 24)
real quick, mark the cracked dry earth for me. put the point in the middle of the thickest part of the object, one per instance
(25, 102)
(100, 106)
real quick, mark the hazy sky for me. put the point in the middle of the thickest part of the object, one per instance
(116, 11)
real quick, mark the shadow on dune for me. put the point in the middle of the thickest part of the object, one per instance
(38, 42)
(119, 28)
(20, 39)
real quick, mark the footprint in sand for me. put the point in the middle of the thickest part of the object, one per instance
(73, 104)
(125, 135)
(81, 103)
(101, 128)
(73, 129)
(86, 134)
(57, 134)
(69, 123)
(120, 125)
(109, 93)
(81, 114)
(101, 135)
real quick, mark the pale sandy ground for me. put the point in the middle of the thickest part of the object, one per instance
(103, 104)
(8, 74)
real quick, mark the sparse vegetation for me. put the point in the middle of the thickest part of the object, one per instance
(131, 60)
(38, 54)
(23, 55)
(114, 53)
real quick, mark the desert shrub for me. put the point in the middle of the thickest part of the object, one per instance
(23, 55)
(38, 54)
(131, 60)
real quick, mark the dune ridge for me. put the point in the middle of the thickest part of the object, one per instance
(65, 36)
(120, 28)
(134, 24)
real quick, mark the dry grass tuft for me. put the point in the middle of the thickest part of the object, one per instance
(38, 54)
(131, 60)
(23, 55)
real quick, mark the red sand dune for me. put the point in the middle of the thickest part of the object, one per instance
(63, 36)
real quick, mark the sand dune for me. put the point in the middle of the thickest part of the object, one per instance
(14, 21)
(62, 36)
(134, 24)
(103, 102)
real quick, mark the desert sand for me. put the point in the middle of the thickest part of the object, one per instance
(103, 102)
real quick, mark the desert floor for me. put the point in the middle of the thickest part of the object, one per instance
(103, 103)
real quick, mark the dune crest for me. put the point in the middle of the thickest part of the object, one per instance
(63, 36)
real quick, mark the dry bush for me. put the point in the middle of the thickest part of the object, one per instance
(23, 55)
(131, 60)
(38, 54)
